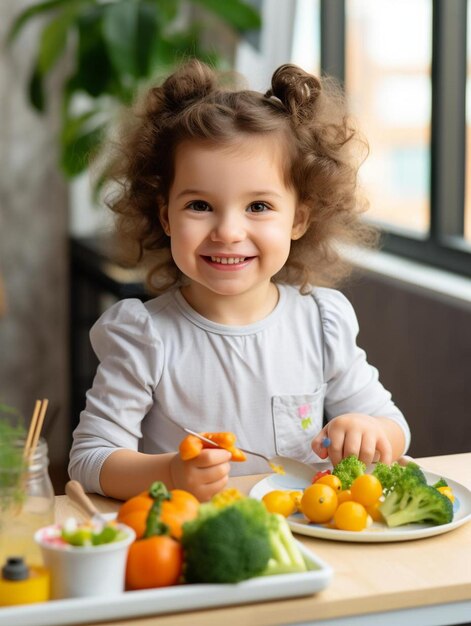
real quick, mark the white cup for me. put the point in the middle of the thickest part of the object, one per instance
(79, 571)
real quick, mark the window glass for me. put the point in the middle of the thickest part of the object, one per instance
(306, 36)
(467, 212)
(388, 84)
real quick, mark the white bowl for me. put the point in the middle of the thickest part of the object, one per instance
(79, 571)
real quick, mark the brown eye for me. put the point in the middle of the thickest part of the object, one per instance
(258, 207)
(199, 205)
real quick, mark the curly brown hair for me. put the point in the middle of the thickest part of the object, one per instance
(324, 152)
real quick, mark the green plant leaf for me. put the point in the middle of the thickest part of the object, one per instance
(94, 73)
(236, 13)
(54, 39)
(80, 141)
(120, 32)
(36, 9)
(148, 33)
(36, 90)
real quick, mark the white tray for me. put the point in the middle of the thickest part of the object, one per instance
(171, 599)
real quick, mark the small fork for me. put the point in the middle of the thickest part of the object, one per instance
(205, 439)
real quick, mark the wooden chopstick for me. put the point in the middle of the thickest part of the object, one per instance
(35, 427)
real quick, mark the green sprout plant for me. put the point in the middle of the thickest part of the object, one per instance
(12, 462)
(113, 47)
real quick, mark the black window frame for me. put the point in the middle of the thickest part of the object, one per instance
(444, 245)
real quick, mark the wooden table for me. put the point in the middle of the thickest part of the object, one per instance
(413, 583)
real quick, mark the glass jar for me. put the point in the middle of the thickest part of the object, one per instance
(26, 501)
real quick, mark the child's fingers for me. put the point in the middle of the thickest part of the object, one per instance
(367, 451)
(214, 456)
(384, 450)
(318, 444)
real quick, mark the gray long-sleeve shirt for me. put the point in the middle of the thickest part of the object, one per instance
(163, 366)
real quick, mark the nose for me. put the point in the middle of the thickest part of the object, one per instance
(228, 228)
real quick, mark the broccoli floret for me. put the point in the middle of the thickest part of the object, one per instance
(348, 469)
(286, 556)
(414, 471)
(236, 542)
(390, 475)
(440, 483)
(414, 502)
(227, 545)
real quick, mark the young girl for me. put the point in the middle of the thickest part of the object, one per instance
(240, 202)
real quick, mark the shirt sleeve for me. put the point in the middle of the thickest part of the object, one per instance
(130, 362)
(353, 384)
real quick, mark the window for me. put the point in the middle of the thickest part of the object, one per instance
(406, 69)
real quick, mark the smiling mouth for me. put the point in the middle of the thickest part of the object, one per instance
(232, 260)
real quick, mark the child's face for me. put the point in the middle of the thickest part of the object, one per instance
(230, 215)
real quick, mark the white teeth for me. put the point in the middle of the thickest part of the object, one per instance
(227, 260)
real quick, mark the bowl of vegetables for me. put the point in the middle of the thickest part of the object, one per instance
(85, 559)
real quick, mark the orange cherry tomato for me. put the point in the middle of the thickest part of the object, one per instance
(366, 489)
(374, 512)
(296, 497)
(319, 503)
(344, 495)
(154, 562)
(279, 501)
(351, 515)
(332, 481)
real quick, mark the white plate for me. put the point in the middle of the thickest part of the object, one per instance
(377, 532)
(175, 599)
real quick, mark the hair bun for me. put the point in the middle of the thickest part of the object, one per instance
(191, 82)
(296, 89)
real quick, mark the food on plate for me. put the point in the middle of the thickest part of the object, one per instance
(332, 481)
(278, 469)
(348, 469)
(394, 495)
(175, 507)
(237, 542)
(191, 446)
(448, 492)
(279, 501)
(388, 475)
(412, 501)
(319, 474)
(319, 503)
(366, 489)
(351, 515)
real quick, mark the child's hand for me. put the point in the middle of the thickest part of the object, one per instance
(354, 433)
(203, 476)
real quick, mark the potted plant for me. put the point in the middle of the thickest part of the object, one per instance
(113, 48)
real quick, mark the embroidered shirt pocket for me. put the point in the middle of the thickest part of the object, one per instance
(296, 421)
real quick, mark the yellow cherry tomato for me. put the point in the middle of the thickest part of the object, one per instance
(374, 512)
(296, 497)
(351, 515)
(344, 495)
(447, 491)
(279, 501)
(319, 503)
(366, 489)
(331, 480)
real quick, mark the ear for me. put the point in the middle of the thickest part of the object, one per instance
(163, 216)
(301, 221)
